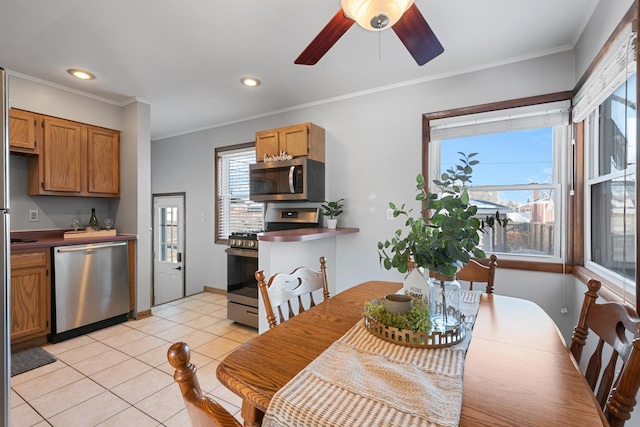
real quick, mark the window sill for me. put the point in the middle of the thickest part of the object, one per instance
(547, 267)
(609, 291)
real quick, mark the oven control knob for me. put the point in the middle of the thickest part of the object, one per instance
(252, 244)
(232, 242)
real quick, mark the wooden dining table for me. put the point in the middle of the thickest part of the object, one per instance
(517, 372)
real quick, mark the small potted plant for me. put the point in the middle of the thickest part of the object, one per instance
(332, 210)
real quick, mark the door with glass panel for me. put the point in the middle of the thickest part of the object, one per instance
(168, 248)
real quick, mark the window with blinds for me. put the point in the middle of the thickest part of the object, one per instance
(234, 211)
(607, 105)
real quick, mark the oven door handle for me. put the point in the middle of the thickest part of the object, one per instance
(249, 253)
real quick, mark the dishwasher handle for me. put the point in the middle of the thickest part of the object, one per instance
(91, 247)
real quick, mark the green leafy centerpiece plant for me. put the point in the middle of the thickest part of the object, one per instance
(417, 319)
(442, 239)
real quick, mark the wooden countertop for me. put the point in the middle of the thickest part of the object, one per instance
(51, 238)
(304, 234)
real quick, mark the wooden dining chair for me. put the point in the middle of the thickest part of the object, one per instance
(617, 328)
(479, 271)
(203, 411)
(288, 293)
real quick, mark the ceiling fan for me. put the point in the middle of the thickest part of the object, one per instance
(376, 15)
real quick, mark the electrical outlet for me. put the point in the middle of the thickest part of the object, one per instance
(389, 214)
(33, 215)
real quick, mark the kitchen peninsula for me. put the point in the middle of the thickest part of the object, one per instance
(283, 251)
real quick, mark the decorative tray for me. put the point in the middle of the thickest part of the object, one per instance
(85, 234)
(418, 339)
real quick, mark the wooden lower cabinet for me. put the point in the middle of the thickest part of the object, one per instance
(30, 297)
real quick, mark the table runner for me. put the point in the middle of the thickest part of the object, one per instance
(362, 380)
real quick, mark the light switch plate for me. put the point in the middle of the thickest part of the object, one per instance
(389, 214)
(33, 215)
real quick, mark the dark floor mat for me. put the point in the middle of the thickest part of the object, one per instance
(31, 358)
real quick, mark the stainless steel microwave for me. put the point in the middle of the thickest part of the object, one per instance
(298, 179)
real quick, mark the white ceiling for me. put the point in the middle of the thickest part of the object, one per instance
(186, 58)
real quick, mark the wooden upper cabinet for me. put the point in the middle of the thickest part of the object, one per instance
(61, 156)
(22, 132)
(103, 161)
(302, 140)
(74, 159)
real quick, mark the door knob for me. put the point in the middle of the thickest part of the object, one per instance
(178, 268)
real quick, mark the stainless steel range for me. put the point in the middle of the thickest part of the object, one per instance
(242, 287)
(242, 261)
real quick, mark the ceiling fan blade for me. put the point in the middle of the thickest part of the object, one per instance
(329, 35)
(417, 36)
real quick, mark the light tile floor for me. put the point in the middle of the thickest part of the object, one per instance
(120, 376)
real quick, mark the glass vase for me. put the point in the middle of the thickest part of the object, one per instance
(444, 302)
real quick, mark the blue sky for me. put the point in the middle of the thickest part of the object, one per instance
(519, 157)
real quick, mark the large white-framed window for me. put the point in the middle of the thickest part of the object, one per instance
(235, 212)
(607, 106)
(522, 173)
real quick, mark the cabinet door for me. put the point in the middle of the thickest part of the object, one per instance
(61, 156)
(28, 303)
(22, 131)
(294, 140)
(267, 142)
(30, 295)
(103, 161)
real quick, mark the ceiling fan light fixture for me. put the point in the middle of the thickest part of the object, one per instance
(375, 15)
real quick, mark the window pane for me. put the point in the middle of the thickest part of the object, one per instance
(613, 225)
(617, 139)
(612, 230)
(235, 212)
(531, 226)
(515, 176)
(168, 234)
(519, 157)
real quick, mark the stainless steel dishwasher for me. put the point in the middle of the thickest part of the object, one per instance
(91, 288)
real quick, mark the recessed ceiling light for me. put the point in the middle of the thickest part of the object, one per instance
(81, 74)
(250, 81)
